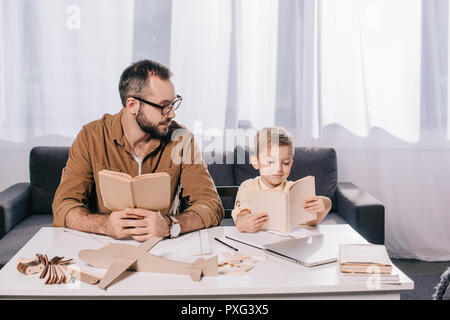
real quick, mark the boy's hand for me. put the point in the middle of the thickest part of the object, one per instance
(251, 222)
(319, 205)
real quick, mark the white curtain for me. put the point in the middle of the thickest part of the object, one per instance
(370, 65)
(199, 59)
(62, 62)
(379, 98)
(257, 30)
(2, 71)
(203, 48)
(60, 66)
(372, 83)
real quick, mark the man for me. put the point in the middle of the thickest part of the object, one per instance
(137, 140)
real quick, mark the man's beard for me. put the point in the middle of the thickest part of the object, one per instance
(150, 128)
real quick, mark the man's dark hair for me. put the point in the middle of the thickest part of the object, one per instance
(134, 78)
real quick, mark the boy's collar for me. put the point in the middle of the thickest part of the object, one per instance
(263, 186)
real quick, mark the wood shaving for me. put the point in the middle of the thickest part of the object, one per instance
(52, 271)
(237, 263)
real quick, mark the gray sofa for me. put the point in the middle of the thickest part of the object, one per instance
(26, 207)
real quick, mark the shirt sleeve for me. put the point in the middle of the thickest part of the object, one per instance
(242, 200)
(199, 187)
(76, 182)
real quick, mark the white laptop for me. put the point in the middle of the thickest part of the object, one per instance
(309, 252)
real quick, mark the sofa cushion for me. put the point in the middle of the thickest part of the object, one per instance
(46, 164)
(318, 162)
(220, 167)
(14, 240)
(333, 218)
(220, 171)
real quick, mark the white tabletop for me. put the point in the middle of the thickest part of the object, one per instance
(273, 277)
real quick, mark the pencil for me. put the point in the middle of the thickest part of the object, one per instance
(226, 244)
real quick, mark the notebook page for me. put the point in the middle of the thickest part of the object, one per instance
(353, 253)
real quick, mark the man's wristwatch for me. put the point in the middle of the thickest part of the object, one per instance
(175, 227)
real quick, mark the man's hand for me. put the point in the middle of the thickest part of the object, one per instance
(114, 227)
(140, 224)
(319, 205)
(251, 222)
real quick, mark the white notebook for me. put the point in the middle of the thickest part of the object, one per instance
(262, 238)
(309, 252)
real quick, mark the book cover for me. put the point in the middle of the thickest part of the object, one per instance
(364, 258)
(285, 209)
(148, 191)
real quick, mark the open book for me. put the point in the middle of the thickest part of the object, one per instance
(149, 191)
(285, 209)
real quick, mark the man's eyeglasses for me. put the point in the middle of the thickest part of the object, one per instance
(165, 109)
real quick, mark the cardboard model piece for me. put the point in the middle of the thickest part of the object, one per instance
(54, 271)
(119, 258)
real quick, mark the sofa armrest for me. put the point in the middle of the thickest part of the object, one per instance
(14, 206)
(362, 211)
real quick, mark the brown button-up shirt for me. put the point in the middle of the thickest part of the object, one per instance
(101, 145)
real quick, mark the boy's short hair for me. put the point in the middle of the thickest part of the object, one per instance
(269, 136)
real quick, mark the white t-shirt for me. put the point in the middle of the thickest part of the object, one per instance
(247, 187)
(139, 161)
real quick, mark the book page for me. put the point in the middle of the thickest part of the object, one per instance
(115, 189)
(119, 175)
(151, 175)
(299, 191)
(152, 191)
(274, 204)
(364, 254)
(258, 239)
(298, 232)
(186, 247)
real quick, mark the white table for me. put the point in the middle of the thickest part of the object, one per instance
(273, 279)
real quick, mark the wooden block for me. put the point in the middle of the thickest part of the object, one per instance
(239, 256)
(226, 255)
(49, 275)
(245, 267)
(61, 276)
(225, 271)
(222, 263)
(239, 272)
(30, 267)
(234, 261)
(67, 274)
(195, 273)
(65, 262)
(249, 260)
(24, 260)
(44, 273)
(83, 276)
(259, 257)
(53, 274)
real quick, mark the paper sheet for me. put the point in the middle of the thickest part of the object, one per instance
(298, 233)
(192, 244)
(364, 254)
(263, 238)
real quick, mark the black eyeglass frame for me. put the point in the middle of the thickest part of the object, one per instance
(169, 106)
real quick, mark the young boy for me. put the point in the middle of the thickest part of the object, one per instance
(274, 151)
